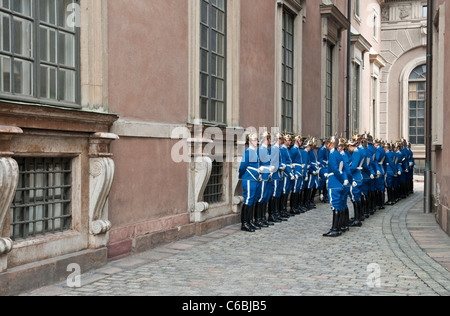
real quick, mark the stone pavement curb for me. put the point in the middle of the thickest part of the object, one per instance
(405, 247)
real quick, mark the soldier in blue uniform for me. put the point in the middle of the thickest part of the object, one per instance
(342, 148)
(412, 164)
(380, 181)
(314, 170)
(265, 191)
(376, 169)
(288, 175)
(322, 157)
(249, 173)
(305, 158)
(299, 170)
(337, 180)
(391, 173)
(277, 180)
(356, 167)
(368, 174)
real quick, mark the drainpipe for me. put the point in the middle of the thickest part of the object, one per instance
(349, 35)
(427, 198)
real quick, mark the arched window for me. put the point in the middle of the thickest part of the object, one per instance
(417, 98)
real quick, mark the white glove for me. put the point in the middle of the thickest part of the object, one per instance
(355, 184)
(346, 183)
(372, 176)
(306, 179)
(272, 169)
(296, 177)
(399, 173)
(379, 172)
(406, 170)
(326, 175)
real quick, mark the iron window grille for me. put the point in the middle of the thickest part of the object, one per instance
(42, 203)
(39, 52)
(214, 189)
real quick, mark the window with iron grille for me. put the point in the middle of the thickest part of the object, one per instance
(214, 190)
(42, 204)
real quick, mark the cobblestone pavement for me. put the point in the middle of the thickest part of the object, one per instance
(290, 259)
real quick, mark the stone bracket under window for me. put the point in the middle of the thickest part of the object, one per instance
(101, 176)
(9, 176)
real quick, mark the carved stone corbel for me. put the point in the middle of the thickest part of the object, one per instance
(201, 169)
(101, 176)
(237, 200)
(9, 177)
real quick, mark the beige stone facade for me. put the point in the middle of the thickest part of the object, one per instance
(403, 46)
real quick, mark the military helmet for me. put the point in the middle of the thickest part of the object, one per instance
(265, 134)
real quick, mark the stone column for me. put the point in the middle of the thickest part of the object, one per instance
(101, 175)
(9, 177)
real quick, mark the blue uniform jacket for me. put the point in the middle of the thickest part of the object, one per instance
(248, 169)
(286, 161)
(391, 167)
(322, 157)
(275, 161)
(337, 174)
(356, 165)
(381, 158)
(305, 159)
(264, 157)
(367, 165)
(297, 160)
(373, 158)
(312, 159)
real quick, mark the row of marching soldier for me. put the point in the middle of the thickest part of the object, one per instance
(291, 169)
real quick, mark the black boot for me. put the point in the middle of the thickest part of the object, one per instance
(347, 219)
(334, 232)
(252, 217)
(279, 209)
(301, 205)
(312, 197)
(260, 216)
(306, 197)
(381, 200)
(294, 210)
(371, 202)
(357, 208)
(244, 219)
(272, 212)
(264, 215)
(283, 206)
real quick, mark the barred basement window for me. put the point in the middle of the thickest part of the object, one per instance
(42, 204)
(214, 190)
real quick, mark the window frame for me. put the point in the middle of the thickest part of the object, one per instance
(411, 81)
(287, 99)
(206, 115)
(329, 87)
(38, 62)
